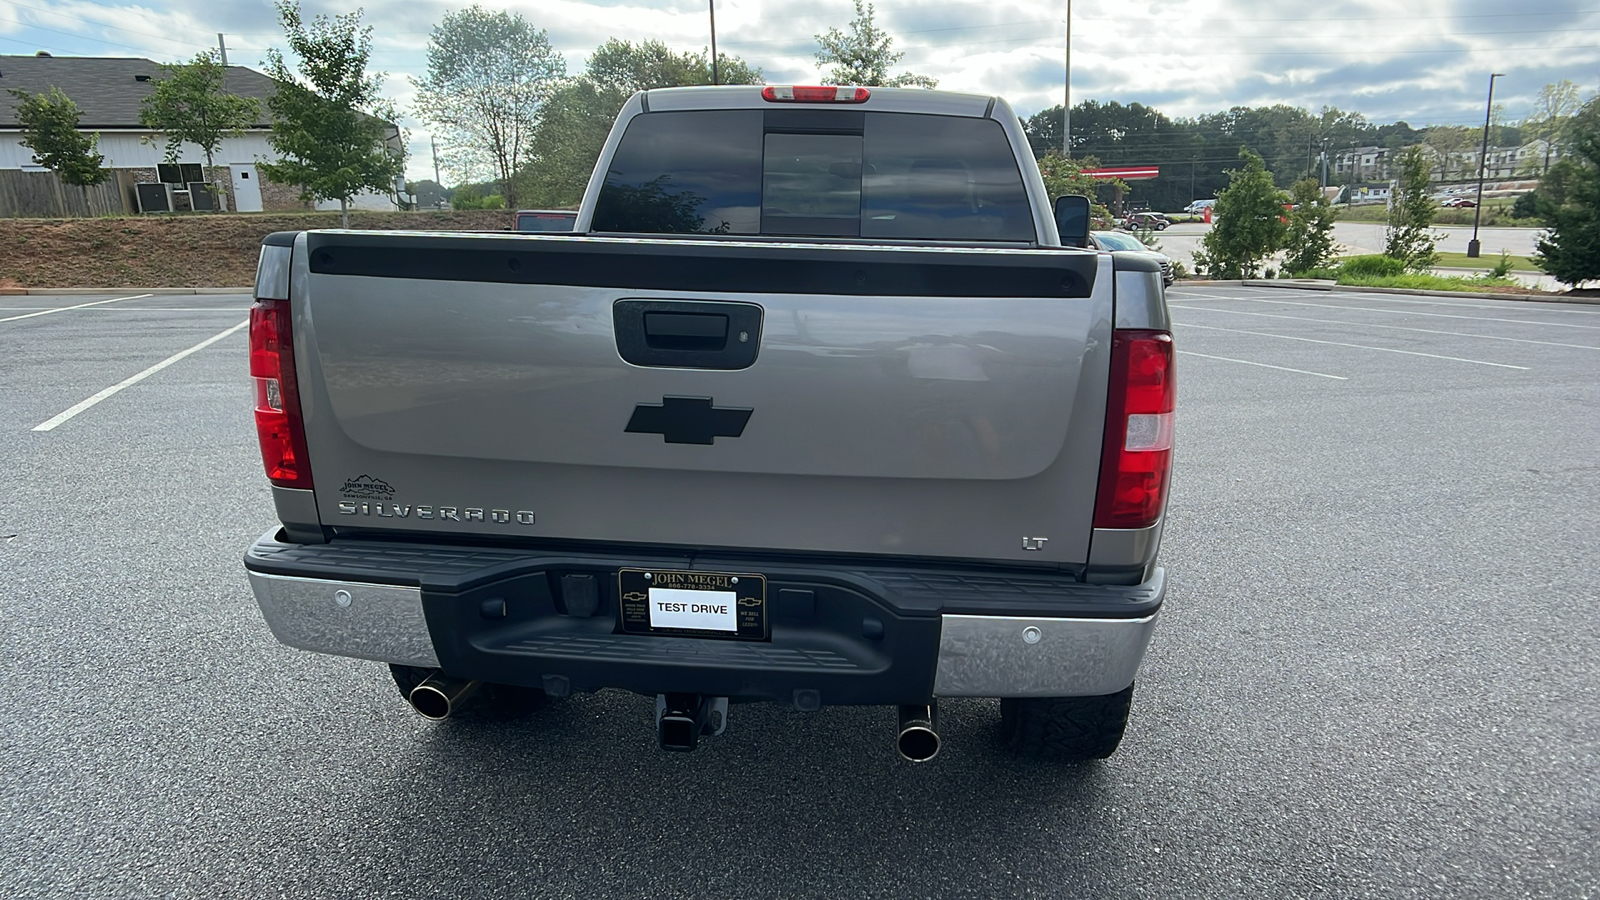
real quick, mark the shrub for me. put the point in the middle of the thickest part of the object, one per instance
(1248, 221)
(1569, 203)
(1310, 236)
(1375, 266)
(1526, 207)
(1411, 212)
(1502, 268)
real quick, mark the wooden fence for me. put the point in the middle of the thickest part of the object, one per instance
(41, 195)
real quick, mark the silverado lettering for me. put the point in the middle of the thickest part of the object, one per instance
(389, 511)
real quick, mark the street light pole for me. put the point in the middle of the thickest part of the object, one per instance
(713, 6)
(1066, 106)
(1473, 247)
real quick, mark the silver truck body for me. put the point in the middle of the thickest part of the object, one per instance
(906, 405)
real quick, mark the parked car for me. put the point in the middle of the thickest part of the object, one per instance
(1458, 203)
(546, 219)
(1199, 207)
(1141, 221)
(1116, 240)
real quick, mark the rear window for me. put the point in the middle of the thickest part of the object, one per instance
(815, 173)
(1114, 241)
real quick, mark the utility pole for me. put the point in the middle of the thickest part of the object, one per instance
(715, 77)
(1473, 247)
(1066, 106)
(222, 51)
(434, 143)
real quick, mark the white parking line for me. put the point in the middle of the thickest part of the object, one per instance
(1487, 337)
(50, 424)
(79, 306)
(1262, 365)
(1418, 312)
(1287, 337)
(193, 309)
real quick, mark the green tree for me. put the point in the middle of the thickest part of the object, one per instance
(627, 67)
(489, 74)
(49, 124)
(1409, 236)
(1449, 145)
(1066, 176)
(1309, 239)
(476, 196)
(1552, 112)
(191, 104)
(577, 117)
(862, 56)
(1248, 222)
(1569, 203)
(331, 130)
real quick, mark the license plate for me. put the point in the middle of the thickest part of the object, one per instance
(698, 604)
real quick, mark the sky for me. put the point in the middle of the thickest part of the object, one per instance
(1423, 61)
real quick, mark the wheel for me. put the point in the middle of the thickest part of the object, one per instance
(1065, 729)
(500, 701)
(1161, 226)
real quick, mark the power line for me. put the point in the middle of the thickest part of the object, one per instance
(109, 25)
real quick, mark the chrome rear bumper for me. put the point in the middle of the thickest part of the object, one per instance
(976, 655)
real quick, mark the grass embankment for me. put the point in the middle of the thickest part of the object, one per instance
(217, 250)
(1496, 214)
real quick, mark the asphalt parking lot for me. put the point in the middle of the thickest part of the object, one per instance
(1377, 674)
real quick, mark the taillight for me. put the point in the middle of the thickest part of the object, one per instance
(278, 424)
(1136, 462)
(787, 93)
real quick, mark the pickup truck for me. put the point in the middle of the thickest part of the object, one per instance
(816, 406)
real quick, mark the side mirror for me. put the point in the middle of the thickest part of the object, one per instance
(1072, 220)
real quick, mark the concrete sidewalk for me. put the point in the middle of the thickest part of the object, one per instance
(80, 292)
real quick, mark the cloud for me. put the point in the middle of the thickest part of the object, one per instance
(1426, 62)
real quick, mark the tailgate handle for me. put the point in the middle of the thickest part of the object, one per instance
(688, 334)
(685, 331)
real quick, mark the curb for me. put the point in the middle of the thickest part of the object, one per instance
(1318, 285)
(86, 292)
(1516, 298)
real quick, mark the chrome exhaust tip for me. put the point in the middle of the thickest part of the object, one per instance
(440, 696)
(918, 739)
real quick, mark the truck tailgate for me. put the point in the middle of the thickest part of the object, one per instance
(915, 401)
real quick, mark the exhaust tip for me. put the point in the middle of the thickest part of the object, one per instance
(918, 744)
(430, 702)
(918, 740)
(439, 697)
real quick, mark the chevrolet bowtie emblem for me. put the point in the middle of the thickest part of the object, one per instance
(688, 420)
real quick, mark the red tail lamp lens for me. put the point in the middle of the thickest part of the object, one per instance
(278, 424)
(1136, 461)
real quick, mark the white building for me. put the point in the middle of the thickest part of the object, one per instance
(109, 91)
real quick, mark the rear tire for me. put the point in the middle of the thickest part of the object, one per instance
(1065, 729)
(500, 701)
